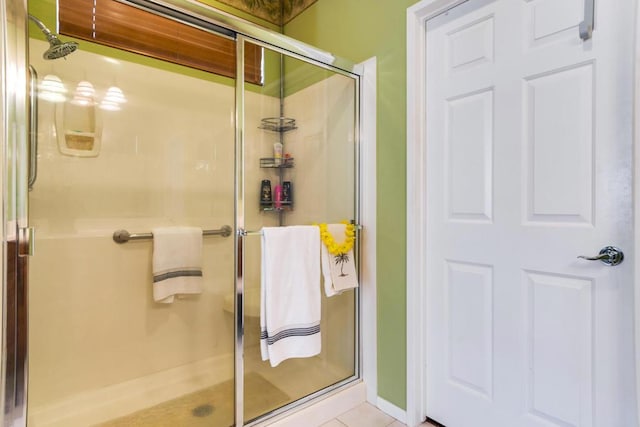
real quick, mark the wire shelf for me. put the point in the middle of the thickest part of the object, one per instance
(285, 206)
(278, 124)
(271, 162)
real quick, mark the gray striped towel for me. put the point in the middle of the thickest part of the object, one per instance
(290, 293)
(177, 262)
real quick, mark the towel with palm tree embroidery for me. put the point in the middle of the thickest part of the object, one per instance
(338, 271)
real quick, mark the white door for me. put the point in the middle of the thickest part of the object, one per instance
(529, 164)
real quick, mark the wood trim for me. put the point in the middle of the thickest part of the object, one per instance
(368, 203)
(415, 227)
(10, 326)
(16, 332)
(417, 17)
(636, 204)
(125, 27)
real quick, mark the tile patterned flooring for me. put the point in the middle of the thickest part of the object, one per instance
(366, 415)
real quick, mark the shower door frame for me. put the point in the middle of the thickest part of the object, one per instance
(15, 236)
(241, 233)
(14, 165)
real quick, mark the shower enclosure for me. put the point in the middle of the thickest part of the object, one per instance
(119, 146)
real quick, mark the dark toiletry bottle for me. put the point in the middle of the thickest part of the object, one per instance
(287, 193)
(265, 194)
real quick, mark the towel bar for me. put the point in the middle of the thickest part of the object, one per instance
(244, 233)
(123, 236)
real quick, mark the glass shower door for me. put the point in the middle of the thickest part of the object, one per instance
(102, 351)
(299, 168)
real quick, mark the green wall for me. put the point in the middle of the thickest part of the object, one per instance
(358, 30)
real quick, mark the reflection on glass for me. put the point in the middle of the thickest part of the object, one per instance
(102, 352)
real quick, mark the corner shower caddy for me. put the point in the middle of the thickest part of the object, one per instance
(280, 125)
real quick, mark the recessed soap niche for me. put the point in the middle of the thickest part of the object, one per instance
(78, 129)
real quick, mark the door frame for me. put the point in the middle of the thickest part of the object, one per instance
(417, 17)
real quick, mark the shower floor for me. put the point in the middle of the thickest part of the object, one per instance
(212, 406)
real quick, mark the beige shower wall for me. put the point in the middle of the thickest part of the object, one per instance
(323, 147)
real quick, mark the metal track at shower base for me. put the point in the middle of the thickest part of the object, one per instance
(305, 402)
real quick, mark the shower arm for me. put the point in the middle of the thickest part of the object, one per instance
(57, 48)
(44, 29)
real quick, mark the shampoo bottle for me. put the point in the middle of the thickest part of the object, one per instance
(265, 194)
(277, 196)
(287, 194)
(277, 153)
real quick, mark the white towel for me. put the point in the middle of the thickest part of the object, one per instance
(290, 293)
(177, 262)
(338, 272)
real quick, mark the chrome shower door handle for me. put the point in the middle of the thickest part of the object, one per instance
(609, 255)
(33, 126)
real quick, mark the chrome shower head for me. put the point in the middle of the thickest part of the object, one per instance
(57, 49)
